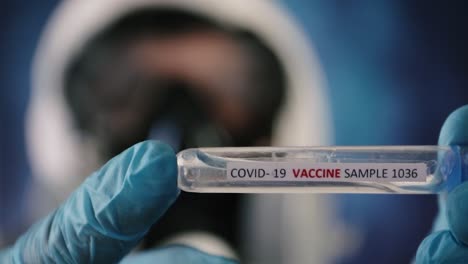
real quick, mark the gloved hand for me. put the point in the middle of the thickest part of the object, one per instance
(109, 214)
(449, 242)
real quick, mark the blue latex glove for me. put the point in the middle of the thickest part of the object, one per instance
(109, 214)
(449, 242)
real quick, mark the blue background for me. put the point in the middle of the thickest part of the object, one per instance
(21, 23)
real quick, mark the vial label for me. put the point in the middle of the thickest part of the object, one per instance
(339, 172)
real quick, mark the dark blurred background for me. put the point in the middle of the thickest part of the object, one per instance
(21, 24)
(395, 70)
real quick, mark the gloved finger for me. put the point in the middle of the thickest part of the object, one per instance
(108, 214)
(176, 255)
(441, 247)
(455, 128)
(453, 132)
(457, 213)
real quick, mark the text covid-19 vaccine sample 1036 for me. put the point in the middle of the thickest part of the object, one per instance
(373, 169)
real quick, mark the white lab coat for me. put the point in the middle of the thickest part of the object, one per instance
(278, 228)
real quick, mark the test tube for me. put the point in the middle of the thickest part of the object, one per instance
(363, 169)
